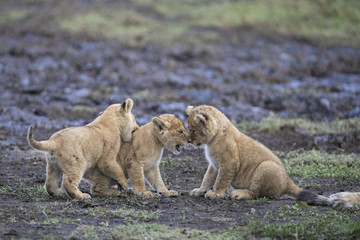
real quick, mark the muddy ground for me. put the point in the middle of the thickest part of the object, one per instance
(52, 79)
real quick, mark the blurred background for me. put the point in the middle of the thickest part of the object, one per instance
(62, 62)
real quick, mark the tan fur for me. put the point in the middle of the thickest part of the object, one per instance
(141, 157)
(235, 159)
(72, 151)
(344, 200)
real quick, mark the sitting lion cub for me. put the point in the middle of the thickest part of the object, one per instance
(344, 200)
(238, 160)
(74, 150)
(141, 157)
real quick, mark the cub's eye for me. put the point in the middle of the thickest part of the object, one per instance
(181, 131)
(193, 131)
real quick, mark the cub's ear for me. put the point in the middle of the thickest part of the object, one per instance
(189, 110)
(201, 118)
(159, 123)
(127, 105)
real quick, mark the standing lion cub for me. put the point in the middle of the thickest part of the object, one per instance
(239, 161)
(141, 157)
(72, 151)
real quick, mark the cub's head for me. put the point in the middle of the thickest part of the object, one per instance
(171, 132)
(127, 120)
(201, 123)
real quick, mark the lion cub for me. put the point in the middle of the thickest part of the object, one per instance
(238, 160)
(74, 150)
(141, 157)
(344, 200)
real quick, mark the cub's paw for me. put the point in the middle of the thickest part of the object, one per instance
(84, 196)
(339, 201)
(236, 195)
(147, 194)
(123, 187)
(60, 192)
(340, 204)
(213, 195)
(170, 193)
(130, 190)
(197, 192)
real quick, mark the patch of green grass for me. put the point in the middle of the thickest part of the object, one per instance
(153, 231)
(296, 221)
(301, 222)
(82, 109)
(120, 23)
(170, 22)
(103, 212)
(146, 94)
(50, 221)
(258, 201)
(19, 189)
(36, 192)
(273, 124)
(12, 15)
(319, 164)
(6, 189)
(12, 219)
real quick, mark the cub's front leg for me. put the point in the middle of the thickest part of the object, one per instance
(136, 175)
(223, 181)
(208, 182)
(154, 177)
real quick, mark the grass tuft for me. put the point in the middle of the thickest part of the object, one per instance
(319, 164)
(102, 212)
(300, 222)
(274, 124)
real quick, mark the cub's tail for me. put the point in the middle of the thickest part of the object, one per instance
(312, 198)
(307, 196)
(39, 145)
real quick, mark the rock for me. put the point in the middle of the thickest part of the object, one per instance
(354, 113)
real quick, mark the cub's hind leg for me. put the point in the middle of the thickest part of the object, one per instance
(242, 194)
(70, 183)
(101, 185)
(53, 175)
(269, 180)
(73, 174)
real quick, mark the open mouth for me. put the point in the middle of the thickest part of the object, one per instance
(177, 148)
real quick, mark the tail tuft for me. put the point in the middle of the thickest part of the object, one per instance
(30, 132)
(312, 198)
(30, 135)
(39, 145)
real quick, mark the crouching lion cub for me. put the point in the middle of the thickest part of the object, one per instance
(74, 150)
(344, 200)
(238, 160)
(141, 157)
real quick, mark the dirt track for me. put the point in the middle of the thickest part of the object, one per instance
(54, 80)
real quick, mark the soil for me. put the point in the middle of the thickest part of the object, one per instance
(52, 79)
